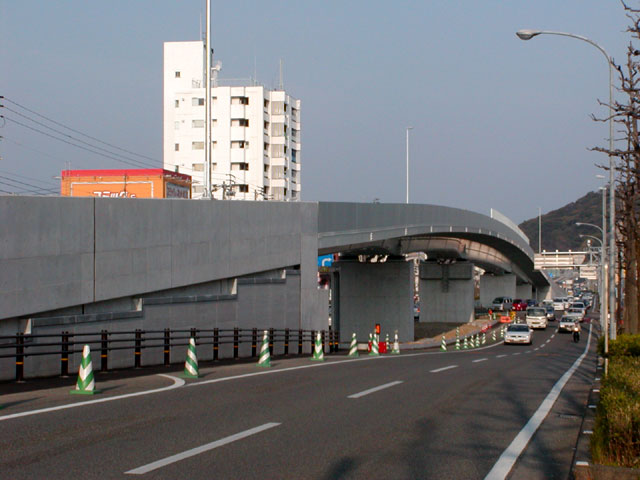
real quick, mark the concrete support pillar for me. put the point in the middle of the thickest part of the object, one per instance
(542, 293)
(492, 286)
(446, 292)
(371, 293)
(524, 291)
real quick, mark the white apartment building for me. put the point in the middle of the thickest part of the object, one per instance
(255, 131)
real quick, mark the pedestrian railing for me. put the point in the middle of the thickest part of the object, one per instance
(22, 346)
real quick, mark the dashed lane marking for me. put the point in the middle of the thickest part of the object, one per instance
(198, 450)
(480, 360)
(443, 369)
(375, 389)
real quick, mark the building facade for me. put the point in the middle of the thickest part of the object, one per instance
(256, 139)
(125, 183)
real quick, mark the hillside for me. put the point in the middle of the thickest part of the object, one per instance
(559, 230)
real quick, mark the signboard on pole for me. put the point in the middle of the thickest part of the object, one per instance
(590, 272)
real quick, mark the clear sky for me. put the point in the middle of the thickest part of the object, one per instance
(497, 122)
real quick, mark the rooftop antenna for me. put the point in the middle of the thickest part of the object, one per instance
(281, 85)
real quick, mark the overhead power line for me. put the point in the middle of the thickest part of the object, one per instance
(77, 131)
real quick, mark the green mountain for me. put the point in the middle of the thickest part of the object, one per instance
(559, 229)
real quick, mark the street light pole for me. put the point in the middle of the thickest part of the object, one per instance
(408, 128)
(528, 35)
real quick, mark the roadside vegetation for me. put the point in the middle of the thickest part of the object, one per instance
(616, 435)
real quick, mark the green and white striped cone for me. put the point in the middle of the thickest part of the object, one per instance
(465, 344)
(443, 344)
(191, 363)
(484, 338)
(502, 332)
(396, 345)
(353, 348)
(374, 346)
(85, 384)
(457, 343)
(318, 352)
(477, 341)
(265, 355)
(493, 335)
(386, 340)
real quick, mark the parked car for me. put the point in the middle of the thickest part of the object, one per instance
(502, 303)
(519, 305)
(566, 324)
(518, 333)
(536, 317)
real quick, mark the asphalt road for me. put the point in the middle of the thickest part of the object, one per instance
(444, 415)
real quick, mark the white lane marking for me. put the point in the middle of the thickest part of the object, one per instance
(375, 389)
(500, 356)
(508, 458)
(587, 432)
(536, 349)
(596, 390)
(516, 353)
(548, 341)
(582, 464)
(543, 345)
(592, 406)
(480, 360)
(198, 450)
(442, 369)
(553, 335)
(597, 378)
(528, 351)
(177, 382)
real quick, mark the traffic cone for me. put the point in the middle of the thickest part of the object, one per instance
(85, 384)
(477, 341)
(374, 346)
(465, 344)
(443, 344)
(457, 343)
(191, 363)
(493, 335)
(396, 345)
(502, 332)
(318, 351)
(353, 348)
(264, 360)
(484, 338)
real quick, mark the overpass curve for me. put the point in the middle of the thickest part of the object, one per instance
(441, 232)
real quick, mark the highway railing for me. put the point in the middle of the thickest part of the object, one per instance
(22, 346)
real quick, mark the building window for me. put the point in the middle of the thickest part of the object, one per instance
(277, 151)
(266, 147)
(239, 122)
(294, 155)
(177, 74)
(198, 167)
(243, 188)
(278, 129)
(197, 123)
(239, 100)
(266, 103)
(240, 166)
(197, 102)
(177, 103)
(266, 168)
(197, 145)
(266, 125)
(176, 147)
(176, 125)
(277, 108)
(239, 144)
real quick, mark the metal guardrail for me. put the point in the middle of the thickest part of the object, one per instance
(67, 343)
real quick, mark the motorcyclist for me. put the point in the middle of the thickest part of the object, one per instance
(576, 332)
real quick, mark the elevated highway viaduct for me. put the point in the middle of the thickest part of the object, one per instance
(86, 264)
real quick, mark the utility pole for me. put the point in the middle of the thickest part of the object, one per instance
(207, 103)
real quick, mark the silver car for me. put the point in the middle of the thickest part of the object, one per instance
(567, 324)
(518, 333)
(536, 317)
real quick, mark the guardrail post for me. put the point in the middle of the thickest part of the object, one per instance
(236, 340)
(313, 339)
(216, 340)
(286, 341)
(138, 348)
(104, 354)
(19, 357)
(271, 341)
(254, 342)
(300, 342)
(167, 347)
(64, 355)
